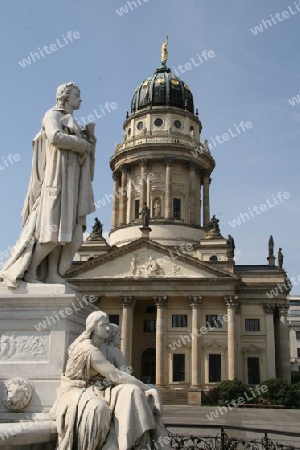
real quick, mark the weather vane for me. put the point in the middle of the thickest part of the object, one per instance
(164, 52)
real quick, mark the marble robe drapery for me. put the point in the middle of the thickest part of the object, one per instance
(87, 415)
(59, 195)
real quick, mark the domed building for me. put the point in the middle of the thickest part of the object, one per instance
(156, 165)
(190, 316)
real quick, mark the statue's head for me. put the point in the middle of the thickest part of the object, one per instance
(114, 335)
(63, 92)
(93, 319)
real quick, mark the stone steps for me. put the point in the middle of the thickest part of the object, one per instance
(172, 397)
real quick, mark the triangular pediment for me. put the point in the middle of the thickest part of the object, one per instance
(214, 344)
(252, 349)
(145, 259)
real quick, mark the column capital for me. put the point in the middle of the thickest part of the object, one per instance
(143, 162)
(268, 308)
(115, 176)
(161, 301)
(283, 309)
(169, 161)
(195, 301)
(231, 301)
(126, 302)
(123, 168)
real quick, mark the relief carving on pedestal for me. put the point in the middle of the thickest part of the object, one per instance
(22, 346)
(16, 393)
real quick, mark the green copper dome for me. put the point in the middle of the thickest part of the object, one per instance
(163, 88)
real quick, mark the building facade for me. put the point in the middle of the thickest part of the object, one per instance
(294, 331)
(190, 317)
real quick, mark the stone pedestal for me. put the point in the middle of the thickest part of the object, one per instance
(145, 231)
(194, 397)
(38, 322)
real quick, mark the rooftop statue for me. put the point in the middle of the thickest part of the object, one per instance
(164, 51)
(59, 195)
(145, 213)
(271, 246)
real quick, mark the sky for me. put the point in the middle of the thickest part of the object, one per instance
(252, 78)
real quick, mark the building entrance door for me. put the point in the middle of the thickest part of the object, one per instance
(148, 365)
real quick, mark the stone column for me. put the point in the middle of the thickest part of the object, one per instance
(200, 200)
(115, 205)
(231, 303)
(126, 342)
(160, 303)
(129, 200)
(206, 207)
(143, 183)
(169, 193)
(195, 303)
(285, 367)
(123, 197)
(192, 194)
(270, 332)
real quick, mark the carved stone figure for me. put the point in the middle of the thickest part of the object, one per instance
(98, 405)
(97, 227)
(214, 224)
(164, 51)
(152, 267)
(59, 195)
(271, 246)
(16, 394)
(280, 259)
(157, 208)
(230, 247)
(145, 215)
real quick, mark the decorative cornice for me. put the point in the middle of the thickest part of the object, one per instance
(161, 301)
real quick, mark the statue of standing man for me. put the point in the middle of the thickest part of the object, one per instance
(59, 195)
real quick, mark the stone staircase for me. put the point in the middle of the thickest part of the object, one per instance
(174, 397)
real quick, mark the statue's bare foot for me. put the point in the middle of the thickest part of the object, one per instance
(55, 279)
(30, 278)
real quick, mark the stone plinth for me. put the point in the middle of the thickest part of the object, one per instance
(194, 397)
(38, 322)
(145, 232)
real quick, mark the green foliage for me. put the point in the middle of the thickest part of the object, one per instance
(295, 376)
(232, 390)
(281, 393)
(211, 397)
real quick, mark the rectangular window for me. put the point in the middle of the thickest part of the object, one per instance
(137, 209)
(214, 368)
(179, 320)
(214, 320)
(176, 208)
(252, 325)
(178, 367)
(149, 326)
(298, 335)
(114, 318)
(253, 370)
(298, 352)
